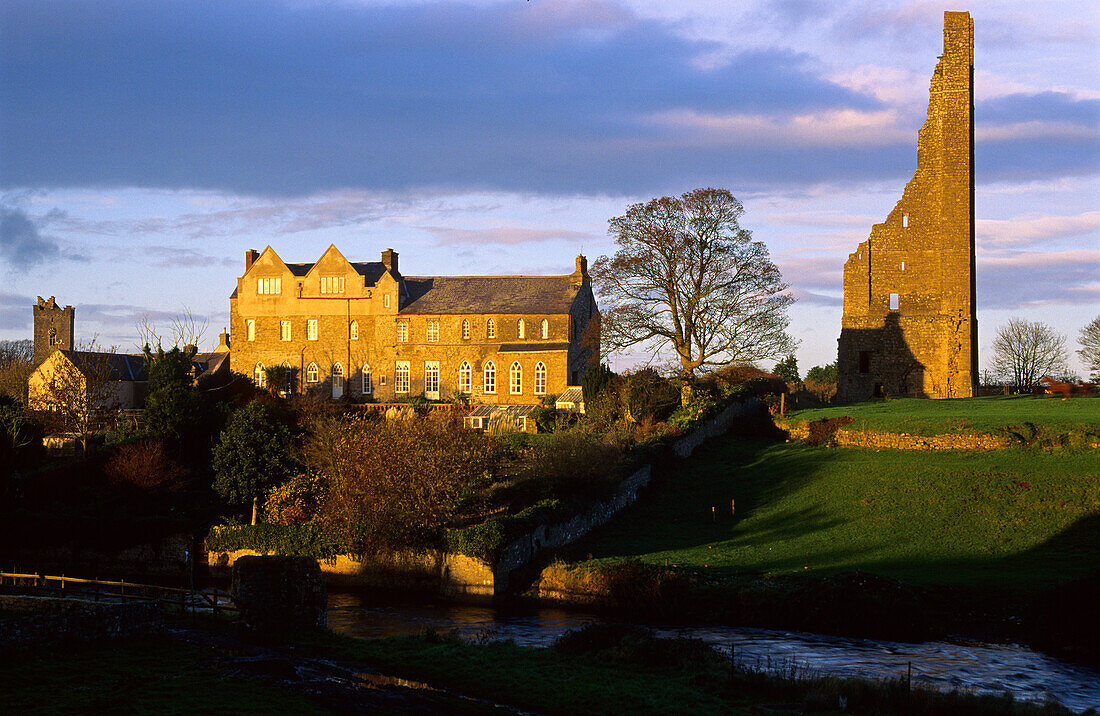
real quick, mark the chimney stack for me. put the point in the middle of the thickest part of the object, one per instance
(223, 342)
(250, 257)
(389, 260)
(580, 276)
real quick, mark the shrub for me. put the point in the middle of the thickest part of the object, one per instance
(145, 465)
(595, 380)
(308, 540)
(648, 396)
(297, 500)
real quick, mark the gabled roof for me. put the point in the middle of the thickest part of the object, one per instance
(572, 394)
(210, 362)
(123, 366)
(489, 294)
(512, 411)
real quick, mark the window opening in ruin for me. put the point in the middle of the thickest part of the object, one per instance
(895, 301)
(865, 361)
(902, 265)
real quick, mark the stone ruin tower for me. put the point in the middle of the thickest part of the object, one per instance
(53, 328)
(909, 326)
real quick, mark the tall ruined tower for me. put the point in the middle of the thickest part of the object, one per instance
(53, 328)
(910, 326)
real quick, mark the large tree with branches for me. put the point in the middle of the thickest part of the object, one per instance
(686, 276)
(1025, 351)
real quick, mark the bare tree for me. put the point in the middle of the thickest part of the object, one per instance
(80, 390)
(1025, 351)
(687, 276)
(16, 366)
(183, 330)
(1090, 348)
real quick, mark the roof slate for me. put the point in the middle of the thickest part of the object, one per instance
(488, 294)
(123, 366)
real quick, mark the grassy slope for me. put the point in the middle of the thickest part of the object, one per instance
(1016, 519)
(991, 414)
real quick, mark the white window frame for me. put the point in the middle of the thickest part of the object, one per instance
(338, 374)
(368, 384)
(490, 329)
(431, 379)
(250, 329)
(386, 300)
(353, 331)
(332, 284)
(465, 329)
(515, 379)
(521, 329)
(432, 332)
(311, 329)
(465, 378)
(284, 330)
(402, 331)
(269, 286)
(258, 375)
(401, 377)
(489, 378)
(544, 329)
(540, 378)
(313, 373)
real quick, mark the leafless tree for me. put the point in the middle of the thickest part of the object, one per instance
(82, 393)
(183, 330)
(687, 276)
(16, 366)
(1090, 348)
(1025, 351)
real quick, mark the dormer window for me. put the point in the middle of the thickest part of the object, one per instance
(332, 284)
(269, 285)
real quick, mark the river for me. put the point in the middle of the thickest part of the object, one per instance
(968, 666)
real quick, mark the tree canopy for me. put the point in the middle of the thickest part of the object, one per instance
(1025, 351)
(687, 277)
(1090, 348)
(253, 455)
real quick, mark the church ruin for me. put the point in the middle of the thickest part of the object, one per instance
(909, 326)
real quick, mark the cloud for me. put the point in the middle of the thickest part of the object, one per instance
(20, 241)
(503, 235)
(1009, 279)
(1031, 230)
(15, 311)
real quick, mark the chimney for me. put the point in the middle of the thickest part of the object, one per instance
(389, 260)
(580, 276)
(223, 342)
(250, 257)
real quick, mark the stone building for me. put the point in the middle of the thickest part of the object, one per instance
(364, 329)
(53, 328)
(909, 326)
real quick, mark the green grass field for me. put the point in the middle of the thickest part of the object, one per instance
(992, 414)
(1015, 519)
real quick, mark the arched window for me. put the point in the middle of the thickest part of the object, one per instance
(338, 374)
(521, 329)
(250, 330)
(540, 378)
(354, 332)
(368, 385)
(515, 379)
(465, 329)
(544, 330)
(313, 374)
(490, 329)
(258, 376)
(490, 378)
(465, 378)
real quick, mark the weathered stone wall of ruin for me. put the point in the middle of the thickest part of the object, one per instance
(909, 289)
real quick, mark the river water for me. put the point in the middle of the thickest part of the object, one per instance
(967, 666)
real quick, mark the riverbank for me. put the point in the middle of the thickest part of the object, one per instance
(206, 665)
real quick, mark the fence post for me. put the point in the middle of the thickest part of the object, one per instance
(123, 581)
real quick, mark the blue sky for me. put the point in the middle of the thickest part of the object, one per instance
(145, 145)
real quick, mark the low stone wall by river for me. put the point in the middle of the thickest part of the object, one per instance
(847, 437)
(46, 621)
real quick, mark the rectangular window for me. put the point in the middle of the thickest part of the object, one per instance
(386, 300)
(401, 377)
(250, 329)
(895, 301)
(433, 331)
(311, 329)
(431, 379)
(403, 332)
(269, 285)
(905, 221)
(865, 361)
(332, 284)
(284, 330)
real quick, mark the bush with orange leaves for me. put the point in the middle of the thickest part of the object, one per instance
(145, 465)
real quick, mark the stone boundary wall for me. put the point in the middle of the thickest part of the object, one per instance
(903, 441)
(463, 577)
(166, 557)
(48, 621)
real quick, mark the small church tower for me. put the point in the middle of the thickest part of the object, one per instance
(53, 328)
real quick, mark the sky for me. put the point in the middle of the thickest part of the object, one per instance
(144, 146)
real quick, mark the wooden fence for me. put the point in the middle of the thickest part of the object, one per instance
(214, 599)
